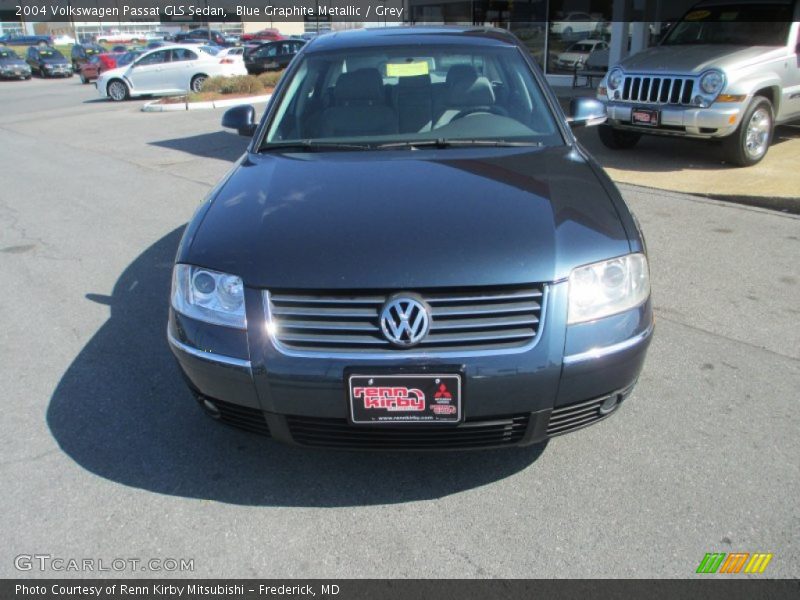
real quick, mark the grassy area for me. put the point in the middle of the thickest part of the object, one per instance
(223, 88)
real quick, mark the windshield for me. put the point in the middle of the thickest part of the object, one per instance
(741, 25)
(380, 95)
(50, 54)
(581, 47)
(6, 54)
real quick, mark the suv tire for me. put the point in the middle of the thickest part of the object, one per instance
(616, 139)
(749, 144)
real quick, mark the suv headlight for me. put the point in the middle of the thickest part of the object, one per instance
(607, 288)
(614, 79)
(712, 82)
(208, 296)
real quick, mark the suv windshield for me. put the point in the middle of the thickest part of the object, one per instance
(383, 95)
(736, 24)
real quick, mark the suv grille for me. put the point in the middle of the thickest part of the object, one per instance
(482, 319)
(647, 89)
(338, 433)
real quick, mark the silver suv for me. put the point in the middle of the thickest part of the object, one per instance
(728, 70)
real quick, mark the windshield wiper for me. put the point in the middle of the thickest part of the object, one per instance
(456, 143)
(310, 146)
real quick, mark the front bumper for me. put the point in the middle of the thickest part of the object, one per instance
(717, 121)
(571, 378)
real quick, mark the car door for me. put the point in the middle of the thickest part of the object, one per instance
(182, 68)
(147, 74)
(791, 82)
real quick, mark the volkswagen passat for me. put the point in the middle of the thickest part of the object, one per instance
(413, 253)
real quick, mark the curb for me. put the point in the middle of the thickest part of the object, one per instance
(153, 105)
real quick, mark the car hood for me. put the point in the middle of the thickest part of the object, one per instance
(692, 58)
(12, 62)
(407, 219)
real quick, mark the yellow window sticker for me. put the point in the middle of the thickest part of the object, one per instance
(697, 15)
(407, 69)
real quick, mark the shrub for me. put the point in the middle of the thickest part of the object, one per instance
(240, 84)
(270, 78)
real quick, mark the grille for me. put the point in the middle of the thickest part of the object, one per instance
(569, 418)
(338, 433)
(645, 89)
(242, 417)
(472, 320)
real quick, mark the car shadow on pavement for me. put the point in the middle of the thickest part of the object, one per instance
(220, 145)
(122, 411)
(666, 154)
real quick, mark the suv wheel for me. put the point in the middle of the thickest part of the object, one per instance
(617, 139)
(750, 142)
(117, 90)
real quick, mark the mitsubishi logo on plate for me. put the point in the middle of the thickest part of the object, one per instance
(404, 321)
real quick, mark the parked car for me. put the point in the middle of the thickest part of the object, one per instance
(48, 62)
(122, 37)
(576, 55)
(201, 35)
(157, 44)
(81, 53)
(13, 39)
(97, 64)
(414, 253)
(12, 66)
(63, 40)
(271, 56)
(232, 39)
(726, 72)
(171, 70)
(576, 25)
(265, 35)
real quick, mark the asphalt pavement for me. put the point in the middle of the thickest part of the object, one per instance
(104, 455)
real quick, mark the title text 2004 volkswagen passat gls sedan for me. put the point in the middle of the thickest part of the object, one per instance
(414, 253)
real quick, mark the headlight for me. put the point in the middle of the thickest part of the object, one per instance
(607, 288)
(614, 79)
(711, 82)
(209, 296)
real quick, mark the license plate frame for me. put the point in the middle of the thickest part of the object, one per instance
(646, 117)
(396, 401)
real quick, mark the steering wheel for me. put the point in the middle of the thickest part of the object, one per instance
(482, 110)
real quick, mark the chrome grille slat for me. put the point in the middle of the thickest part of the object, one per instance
(657, 90)
(481, 320)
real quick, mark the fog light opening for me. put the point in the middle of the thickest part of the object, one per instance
(609, 404)
(210, 408)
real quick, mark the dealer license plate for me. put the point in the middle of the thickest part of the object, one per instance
(643, 116)
(404, 398)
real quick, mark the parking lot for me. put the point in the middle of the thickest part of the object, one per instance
(109, 456)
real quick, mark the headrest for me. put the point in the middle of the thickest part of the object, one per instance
(471, 93)
(415, 82)
(364, 85)
(461, 72)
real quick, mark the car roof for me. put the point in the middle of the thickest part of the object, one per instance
(403, 35)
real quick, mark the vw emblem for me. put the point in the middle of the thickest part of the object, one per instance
(404, 321)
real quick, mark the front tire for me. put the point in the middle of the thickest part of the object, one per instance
(197, 82)
(749, 144)
(616, 139)
(117, 90)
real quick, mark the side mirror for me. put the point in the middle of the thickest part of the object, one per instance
(586, 112)
(241, 118)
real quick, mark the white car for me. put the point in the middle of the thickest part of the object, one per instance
(576, 25)
(576, 55)
(63, 40)
(165, 71)
(233, 54)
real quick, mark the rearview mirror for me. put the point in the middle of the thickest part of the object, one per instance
(241, 118)
(586, 112)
